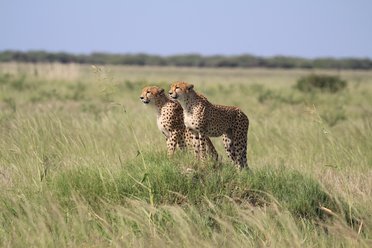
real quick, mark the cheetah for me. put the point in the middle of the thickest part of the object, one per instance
(209, 120)
(170, 121)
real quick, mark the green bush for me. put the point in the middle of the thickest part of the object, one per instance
(165, 183)
(321, 82)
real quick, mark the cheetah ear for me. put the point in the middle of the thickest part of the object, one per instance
(161, 91)
(190, 87)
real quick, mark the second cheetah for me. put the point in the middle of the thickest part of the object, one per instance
(210, 120)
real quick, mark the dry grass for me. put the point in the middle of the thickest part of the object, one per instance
(56, 119)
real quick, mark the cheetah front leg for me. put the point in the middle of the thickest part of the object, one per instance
(181, 139)
(202, 146)
(192, 141)
(172, 143)
(189, 138)
(195, 142)
(211, 150)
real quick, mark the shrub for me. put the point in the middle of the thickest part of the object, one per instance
(334, 115)
(321, 82)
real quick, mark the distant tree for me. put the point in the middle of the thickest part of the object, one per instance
(190, 60)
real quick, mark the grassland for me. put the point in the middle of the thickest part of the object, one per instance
(83, 164)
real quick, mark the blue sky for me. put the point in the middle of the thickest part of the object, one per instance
(316, 28)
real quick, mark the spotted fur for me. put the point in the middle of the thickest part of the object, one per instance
(209, 120)
(170, 121)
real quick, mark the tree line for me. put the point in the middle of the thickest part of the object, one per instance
(189, 60)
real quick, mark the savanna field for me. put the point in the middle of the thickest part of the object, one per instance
(83, 164)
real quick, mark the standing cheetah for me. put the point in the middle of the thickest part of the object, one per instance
(209, 120)
(170, 121)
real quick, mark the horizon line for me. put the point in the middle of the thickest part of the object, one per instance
(188, 54)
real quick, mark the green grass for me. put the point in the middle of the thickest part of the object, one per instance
(212, 195)
(83, 164)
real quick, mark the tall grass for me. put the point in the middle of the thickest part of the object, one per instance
(83, 164)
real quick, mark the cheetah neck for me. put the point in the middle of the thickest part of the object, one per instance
(160, 102)
(189, 102)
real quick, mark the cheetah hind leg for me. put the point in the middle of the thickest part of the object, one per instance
(228, 143)
(240, 145)
(241, 154)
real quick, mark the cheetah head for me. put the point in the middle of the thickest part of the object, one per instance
(150, 93)
(180, 89)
